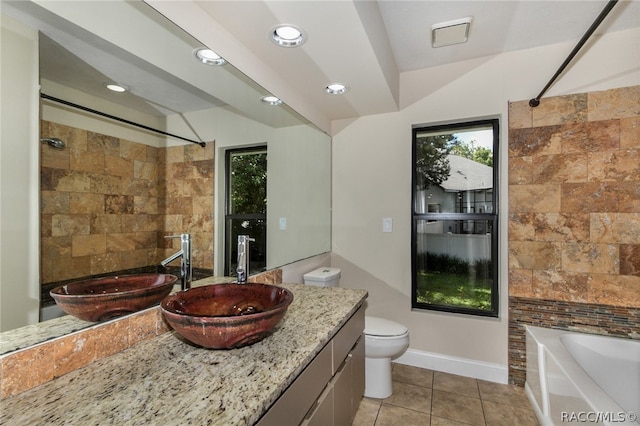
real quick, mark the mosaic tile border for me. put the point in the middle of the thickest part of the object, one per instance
(618, 321)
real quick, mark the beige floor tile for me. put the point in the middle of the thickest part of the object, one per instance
(453, 401)
(391, 415)
(412, 375)
(506, 415)
(367, 412)
(417, 398)
(441, 421)
(455, 384)
(457, 407)
(503, 394)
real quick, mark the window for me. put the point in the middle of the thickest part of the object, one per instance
(246, 207)
(454, 247)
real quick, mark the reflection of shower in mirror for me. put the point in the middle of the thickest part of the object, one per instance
(53, 142)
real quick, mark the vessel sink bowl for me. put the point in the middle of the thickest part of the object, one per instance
(226, 316)
(100, 299)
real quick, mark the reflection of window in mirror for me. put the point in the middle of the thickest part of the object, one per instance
(246, 206)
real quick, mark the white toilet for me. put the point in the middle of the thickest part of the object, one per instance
(384, 339)
(323, 277)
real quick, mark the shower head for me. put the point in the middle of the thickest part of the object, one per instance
(53, 142)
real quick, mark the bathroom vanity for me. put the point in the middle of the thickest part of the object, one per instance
(309, 371)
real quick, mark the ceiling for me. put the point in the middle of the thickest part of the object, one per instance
(79, 55)
(367, 44)
(364, 44)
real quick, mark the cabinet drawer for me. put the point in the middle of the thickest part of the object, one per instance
(296, 401)
(346, 338)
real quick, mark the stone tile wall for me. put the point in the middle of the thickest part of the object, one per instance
(185, 200)
(107, 203)
(574, 212)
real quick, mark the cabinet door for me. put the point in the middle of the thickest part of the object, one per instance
(357, 371)
(322, 413)
(342, 393)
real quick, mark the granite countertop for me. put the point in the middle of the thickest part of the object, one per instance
(166, 380)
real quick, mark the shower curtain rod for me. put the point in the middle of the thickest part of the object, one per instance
(122, 120)
(536, 101)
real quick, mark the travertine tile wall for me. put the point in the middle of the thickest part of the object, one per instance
(107, 203)
(574, 209)
(185, 185)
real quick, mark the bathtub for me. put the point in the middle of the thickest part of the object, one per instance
(582, 378)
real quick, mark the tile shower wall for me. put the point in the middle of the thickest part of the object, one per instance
(185, 184)
(574, 216)
(107, 203)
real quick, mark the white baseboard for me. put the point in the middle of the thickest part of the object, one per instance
(461, 366)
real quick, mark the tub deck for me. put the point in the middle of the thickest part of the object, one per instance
(576, 377)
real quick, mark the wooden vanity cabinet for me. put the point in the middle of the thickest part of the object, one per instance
(329, 389)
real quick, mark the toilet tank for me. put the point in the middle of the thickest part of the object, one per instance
(323, 277)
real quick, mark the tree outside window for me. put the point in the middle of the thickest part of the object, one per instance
(454, 238)
(246, 206)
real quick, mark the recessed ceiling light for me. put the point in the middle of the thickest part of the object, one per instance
(336, 89)
(208, 57)
(287, 36)
(271, 100)
(116, 87)
(450, 32)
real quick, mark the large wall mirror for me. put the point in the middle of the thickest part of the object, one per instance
(115, 190)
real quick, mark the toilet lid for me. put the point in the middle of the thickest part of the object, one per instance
(374, 326)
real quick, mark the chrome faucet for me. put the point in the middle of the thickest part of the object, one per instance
(186, 271)
(243, 258)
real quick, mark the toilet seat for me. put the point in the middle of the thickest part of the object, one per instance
(381, 327)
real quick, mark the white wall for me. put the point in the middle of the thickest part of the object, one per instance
(19, 176)
(298, 191)
(297, 168)
(372, 179)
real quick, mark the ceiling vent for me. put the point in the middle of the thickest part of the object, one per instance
(450, 32)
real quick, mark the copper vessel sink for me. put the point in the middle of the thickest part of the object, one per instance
(225, 316)
(100, 299)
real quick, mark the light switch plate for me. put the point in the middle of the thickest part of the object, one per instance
(283, 223)
(387, 224)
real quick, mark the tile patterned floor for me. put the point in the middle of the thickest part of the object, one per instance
(425, 397)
